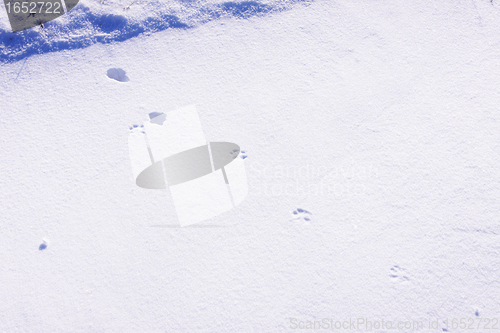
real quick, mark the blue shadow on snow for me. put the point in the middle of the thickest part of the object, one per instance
(107, 28)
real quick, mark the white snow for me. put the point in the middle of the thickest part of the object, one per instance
(379, 118)
(107, 21)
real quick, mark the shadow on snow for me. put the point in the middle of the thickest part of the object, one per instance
(82, 28)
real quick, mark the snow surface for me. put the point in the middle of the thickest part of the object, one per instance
(380, 119)
(106, 21)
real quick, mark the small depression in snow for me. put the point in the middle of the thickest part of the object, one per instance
(118, 74)
(157, 118)
(43, 246)
(301, 215)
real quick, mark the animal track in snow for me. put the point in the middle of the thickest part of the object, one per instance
(117, 74)
(301, 215)
(137, 128)
(157, 118)
(398, 274)
(235, 152)
(43, 246)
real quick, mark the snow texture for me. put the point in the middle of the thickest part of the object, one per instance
(379, 118)
(107, 21)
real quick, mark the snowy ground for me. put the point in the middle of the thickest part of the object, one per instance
(372, 133)
(107, 21)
